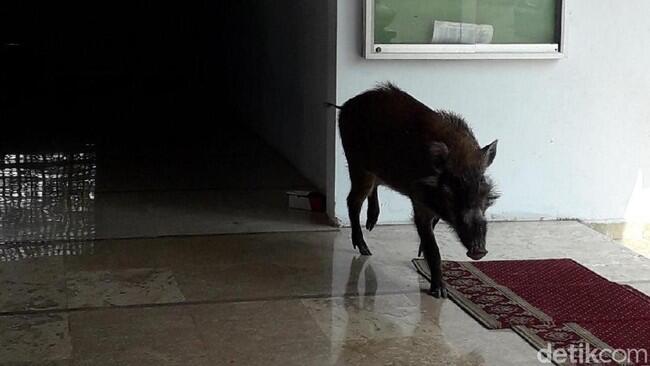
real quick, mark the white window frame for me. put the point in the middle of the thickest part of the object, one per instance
(374, 50)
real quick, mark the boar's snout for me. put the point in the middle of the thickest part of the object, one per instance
(477, 253)
(472, 230)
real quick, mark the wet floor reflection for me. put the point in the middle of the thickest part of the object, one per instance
(366, 327)
(18, 251)
(357, 267)
(50, 202)
(46, 198)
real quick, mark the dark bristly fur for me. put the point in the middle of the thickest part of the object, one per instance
(432, 157)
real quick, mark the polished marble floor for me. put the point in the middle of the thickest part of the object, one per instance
(297, 298)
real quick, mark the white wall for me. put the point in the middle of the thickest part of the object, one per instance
(574, 134)
(296, 75)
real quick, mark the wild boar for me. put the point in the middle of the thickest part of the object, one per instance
(432, 157)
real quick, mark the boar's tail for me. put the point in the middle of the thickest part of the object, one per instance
(328, 104)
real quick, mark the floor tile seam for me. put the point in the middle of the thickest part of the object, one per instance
(205, 302)
(13, 244)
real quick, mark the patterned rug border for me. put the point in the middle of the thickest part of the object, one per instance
(464, 303)
(539, 344)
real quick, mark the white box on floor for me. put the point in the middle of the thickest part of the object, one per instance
(306, 200)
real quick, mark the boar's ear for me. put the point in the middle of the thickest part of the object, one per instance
(489, 152)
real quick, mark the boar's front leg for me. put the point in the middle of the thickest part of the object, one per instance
(434, 222)
(362, 183)
(424, 219)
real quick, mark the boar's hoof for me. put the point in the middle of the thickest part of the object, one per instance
(363, 248)
(438, 291)
(370, 223)
(358, 242)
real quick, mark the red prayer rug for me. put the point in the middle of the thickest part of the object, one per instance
(554, 304)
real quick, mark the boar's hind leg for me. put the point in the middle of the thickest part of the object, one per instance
(424, 222)
(373, 209)
(362, 183)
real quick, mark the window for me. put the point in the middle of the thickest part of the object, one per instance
(459, 29)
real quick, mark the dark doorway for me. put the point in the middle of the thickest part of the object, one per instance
(162, 94)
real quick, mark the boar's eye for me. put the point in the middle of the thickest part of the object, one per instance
(491, 199)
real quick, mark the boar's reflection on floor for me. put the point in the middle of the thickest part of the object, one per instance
(432, 157)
